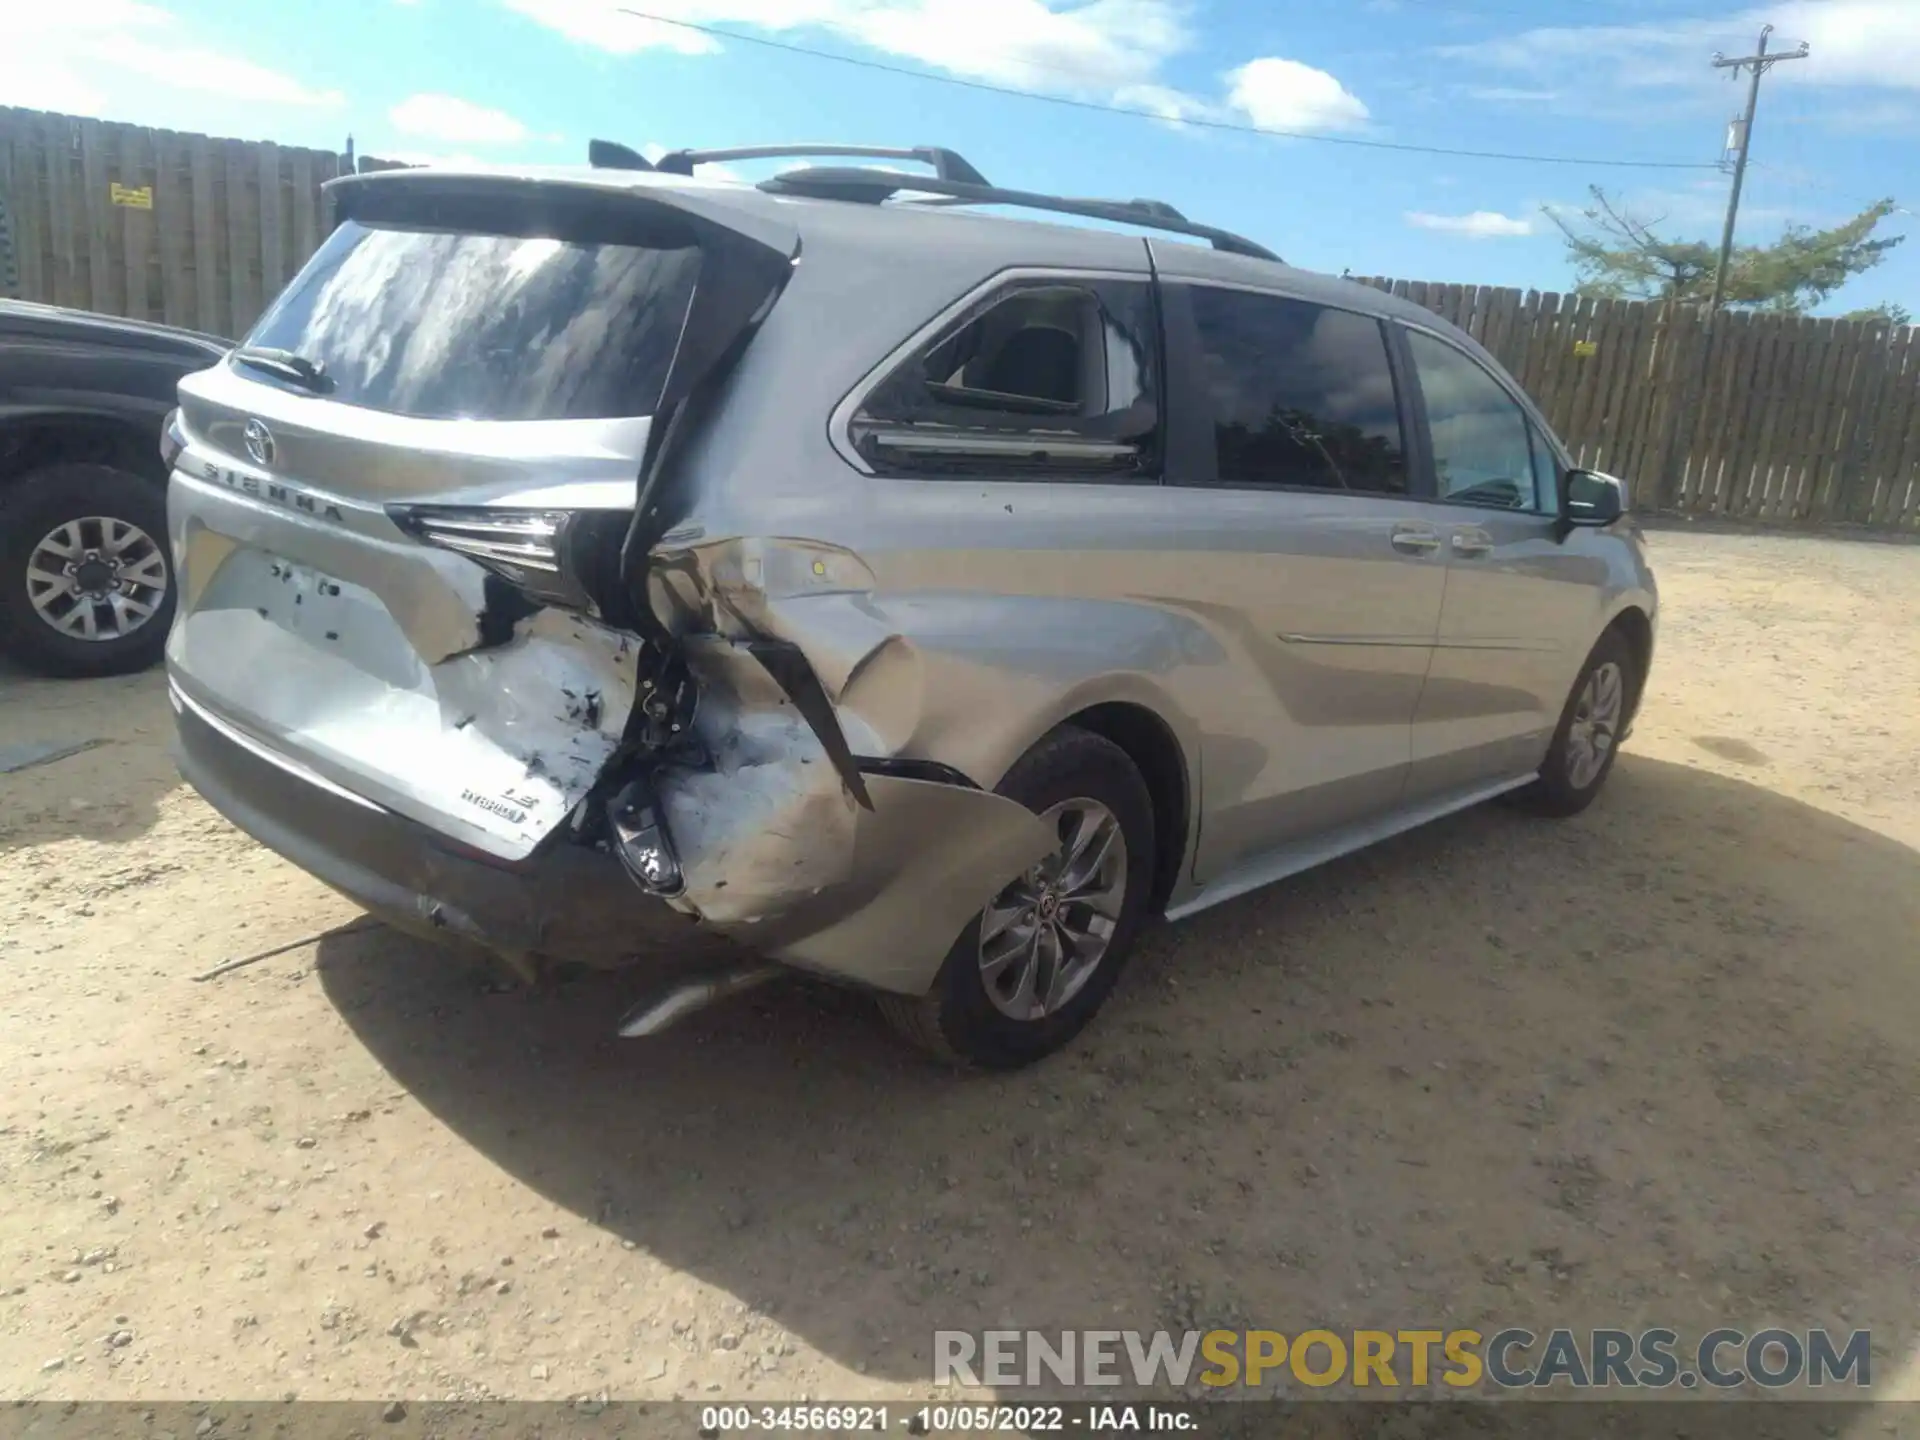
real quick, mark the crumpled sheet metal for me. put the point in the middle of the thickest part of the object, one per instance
(775, 853)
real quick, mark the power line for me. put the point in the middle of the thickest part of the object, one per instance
(1137, 114)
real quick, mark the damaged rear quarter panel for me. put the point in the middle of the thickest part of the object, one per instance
(775, 852)
(773, 847)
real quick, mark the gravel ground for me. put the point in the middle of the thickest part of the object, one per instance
(1656, 1065)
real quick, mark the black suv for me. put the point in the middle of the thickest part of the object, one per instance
(86, 584)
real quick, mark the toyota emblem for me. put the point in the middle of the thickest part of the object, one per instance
(259, 442)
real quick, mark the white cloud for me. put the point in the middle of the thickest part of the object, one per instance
(190, 67)
(1480, 225)
(1165, 102)
(82, 15)
(88, 56)
(1093, 45)
(1100, 45)
(1278, 94)
(457, 121)
(1854, 42)
(1114, 50)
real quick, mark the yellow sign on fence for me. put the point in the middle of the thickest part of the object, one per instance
(1586, 347)
(134, 198)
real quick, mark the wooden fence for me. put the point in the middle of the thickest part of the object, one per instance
(1785, 419)
(155, 224)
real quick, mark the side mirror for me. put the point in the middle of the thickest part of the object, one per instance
(1589, 498)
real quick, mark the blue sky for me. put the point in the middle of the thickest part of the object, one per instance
(512, 80)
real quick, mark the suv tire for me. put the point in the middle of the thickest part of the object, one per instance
(35, 510)
(1094, 789)
(1587, 740)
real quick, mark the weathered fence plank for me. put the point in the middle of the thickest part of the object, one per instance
(172, 226)
(101, 291)
(134, 174)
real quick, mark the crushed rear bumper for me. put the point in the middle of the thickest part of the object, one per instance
(877, 906)
(565, 901)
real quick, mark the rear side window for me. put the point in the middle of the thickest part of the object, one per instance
(1302, 395)
(446, 325)
(1044, 378)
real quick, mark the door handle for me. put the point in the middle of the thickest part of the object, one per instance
(1414, 539)
(1472, 543)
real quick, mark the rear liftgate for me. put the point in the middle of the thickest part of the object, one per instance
(736, 793)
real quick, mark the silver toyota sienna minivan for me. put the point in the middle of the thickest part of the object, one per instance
(611, 565)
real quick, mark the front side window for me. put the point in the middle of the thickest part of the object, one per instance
(1302, 395)
(1483, 449)
(1045, 378)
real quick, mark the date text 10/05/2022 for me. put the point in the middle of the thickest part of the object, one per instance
(980, 1419)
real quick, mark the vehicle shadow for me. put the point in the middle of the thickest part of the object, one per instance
(109, 788)
(1653, 1066)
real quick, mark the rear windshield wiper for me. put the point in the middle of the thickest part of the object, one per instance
(307, 374)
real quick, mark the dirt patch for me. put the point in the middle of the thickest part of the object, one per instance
(1657, 1065)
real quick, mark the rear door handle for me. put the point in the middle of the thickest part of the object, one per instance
(1472, 543)
(1415, 539)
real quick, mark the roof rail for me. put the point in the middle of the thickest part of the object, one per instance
(874, 186)
(947, 164)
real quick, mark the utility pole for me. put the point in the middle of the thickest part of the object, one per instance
(1760, 62)
(1667, 480)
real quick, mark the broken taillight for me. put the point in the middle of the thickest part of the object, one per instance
(173, 439)
(552, 556)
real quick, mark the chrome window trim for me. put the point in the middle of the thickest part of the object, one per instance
(1002, 446)
(1278, 290)
(840, 422)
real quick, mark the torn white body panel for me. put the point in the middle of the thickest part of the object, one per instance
(492, 747)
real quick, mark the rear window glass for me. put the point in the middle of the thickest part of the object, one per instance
(494, 327)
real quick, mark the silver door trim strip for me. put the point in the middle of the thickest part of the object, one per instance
(1543, 647)
(1264, 870)
(1386, 640)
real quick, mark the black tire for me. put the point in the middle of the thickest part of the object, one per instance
(956, 1021)
(1554, 793)
(33, 507)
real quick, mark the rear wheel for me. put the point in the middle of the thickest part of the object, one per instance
(1587, 740)
(1030, 970)
(86, 584)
